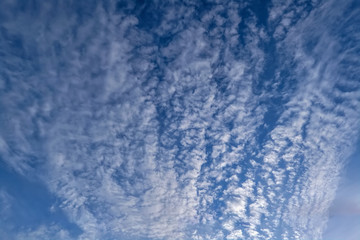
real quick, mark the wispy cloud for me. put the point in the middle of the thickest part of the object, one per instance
(207, 122)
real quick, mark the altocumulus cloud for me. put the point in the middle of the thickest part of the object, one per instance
(179, 120)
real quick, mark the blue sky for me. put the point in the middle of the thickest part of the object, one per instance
(179, 120)
(345, 210)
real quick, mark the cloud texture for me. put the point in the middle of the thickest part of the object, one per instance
(180, 119)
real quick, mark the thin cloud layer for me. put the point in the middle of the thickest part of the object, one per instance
(182, 120)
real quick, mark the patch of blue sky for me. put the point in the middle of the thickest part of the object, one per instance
(27, 204)
(344, 213)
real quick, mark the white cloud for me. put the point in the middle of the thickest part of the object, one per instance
(44, 232)
(237, 234)
(142, 138)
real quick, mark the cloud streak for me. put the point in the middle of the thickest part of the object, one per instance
(209, 122)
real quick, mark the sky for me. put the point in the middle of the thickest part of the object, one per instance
(150, 120)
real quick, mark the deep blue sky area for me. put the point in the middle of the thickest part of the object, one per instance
(198, 120)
